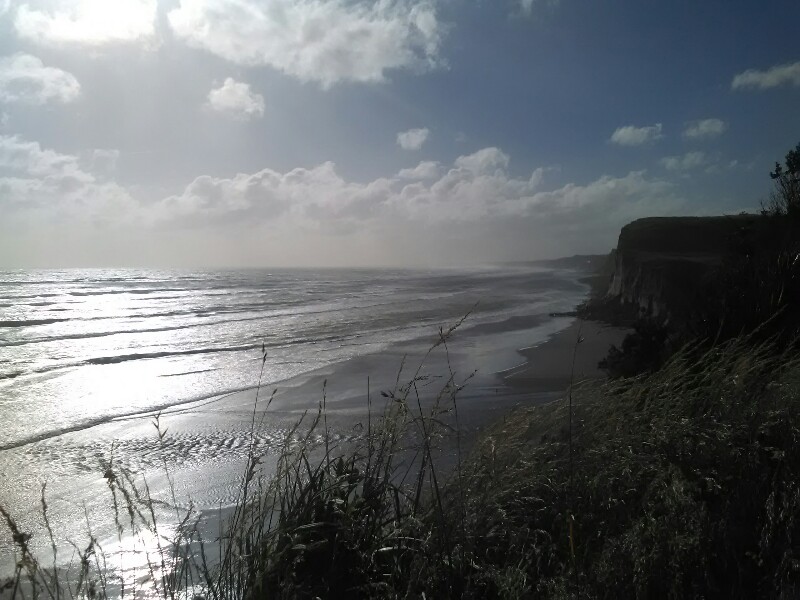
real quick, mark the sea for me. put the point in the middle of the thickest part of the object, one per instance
(89, 357)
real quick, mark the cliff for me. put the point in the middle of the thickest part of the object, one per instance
(661, 262)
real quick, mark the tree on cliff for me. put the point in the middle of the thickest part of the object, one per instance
(785, 198)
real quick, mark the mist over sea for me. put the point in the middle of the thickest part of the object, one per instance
(87, 356)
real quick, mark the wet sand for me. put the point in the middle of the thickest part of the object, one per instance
(207, 442)
(549, 366)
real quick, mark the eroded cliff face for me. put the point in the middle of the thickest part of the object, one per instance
(661, 262)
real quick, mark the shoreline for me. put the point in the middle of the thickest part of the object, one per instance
(208, 440)
(548, 366)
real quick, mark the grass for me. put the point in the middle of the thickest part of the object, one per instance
(685, 481)
(682, 483)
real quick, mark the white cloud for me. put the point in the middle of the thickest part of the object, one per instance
(325, 41)
(89, 22)
(316, 216)
(413, 139)
(690, 160)
(425, 170)
(636, 136)
(235, 98)
(487, 160)
(477, 189)
(51, 186)
(432, 214)
(788, 74)
(24, 78)
(705, 129)
(30, 158)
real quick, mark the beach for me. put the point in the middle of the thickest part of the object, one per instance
(519, 360)
(549, 366)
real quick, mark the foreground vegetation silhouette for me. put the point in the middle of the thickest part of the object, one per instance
(683, 483)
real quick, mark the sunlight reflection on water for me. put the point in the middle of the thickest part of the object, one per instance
(116, 343)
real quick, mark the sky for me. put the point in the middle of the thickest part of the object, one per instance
(279, 133)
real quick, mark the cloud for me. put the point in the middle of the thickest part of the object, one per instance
(316, 216)
(235, 99)
(324, 41)
(413, 139)
(477, 189)
(30, 158)
(471, 210)
(788, 74)
(88, 22)
(705, 129)
(487, 160)
(40, 183)
(424, 170)
(636, 136)
(690, 160)
(24, 78)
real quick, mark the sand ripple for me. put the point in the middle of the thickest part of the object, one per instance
(64, 457)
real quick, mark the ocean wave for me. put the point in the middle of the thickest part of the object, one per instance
(126, 291)
(318, 314)
(38, 282)
(94, 334)
(144, 411)
(107, 360)
(25, 296)
(30, 322)
(188, 372)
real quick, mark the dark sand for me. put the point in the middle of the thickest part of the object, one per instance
(549, 366)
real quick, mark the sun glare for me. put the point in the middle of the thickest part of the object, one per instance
(90, 21)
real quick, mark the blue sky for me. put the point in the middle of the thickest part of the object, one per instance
(403, 132)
